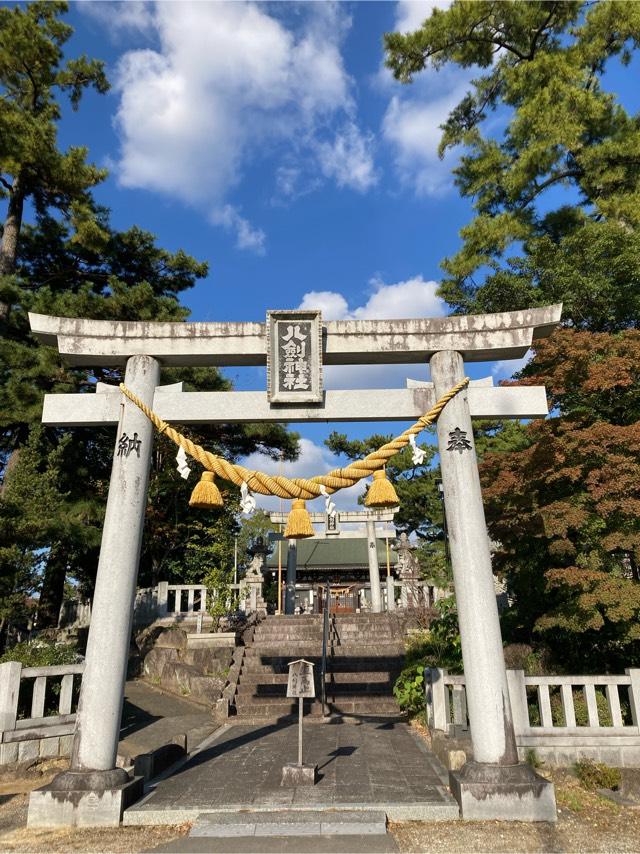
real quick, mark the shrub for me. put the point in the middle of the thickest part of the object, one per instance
(597, 775)
(439, 646)
(409, 689)
(39, 654)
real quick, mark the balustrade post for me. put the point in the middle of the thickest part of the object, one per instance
(518, 697)
(9, 692)
(634, 693)
(163, 598)
(439, 699)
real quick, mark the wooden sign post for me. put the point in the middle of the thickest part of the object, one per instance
(300, 685)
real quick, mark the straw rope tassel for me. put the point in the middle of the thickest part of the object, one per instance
(206, 493)
(381, 493)
(298, 522)
(284, 487)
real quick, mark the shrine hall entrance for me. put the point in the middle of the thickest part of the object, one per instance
(342, 600)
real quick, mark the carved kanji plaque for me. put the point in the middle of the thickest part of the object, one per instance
(294, 356)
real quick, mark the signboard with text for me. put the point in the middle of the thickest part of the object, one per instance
(294, 356)
(300, 682)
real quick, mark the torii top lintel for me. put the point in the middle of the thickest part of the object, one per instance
(478, 337)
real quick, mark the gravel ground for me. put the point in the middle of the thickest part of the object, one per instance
(122, 840)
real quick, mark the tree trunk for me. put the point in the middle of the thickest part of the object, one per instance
(10, 235)
(52, 591)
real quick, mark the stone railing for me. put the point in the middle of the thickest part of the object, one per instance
(562, 718)
(186, 600)
(27, 694)
(174, 602)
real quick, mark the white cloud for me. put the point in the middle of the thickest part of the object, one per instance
(414, 297)
(247, 237)
(234, 82)
(333, 305)
(411, 124)
(349, 159)
(313, 460)
(506, 368)
(410, 14)
(116, 17)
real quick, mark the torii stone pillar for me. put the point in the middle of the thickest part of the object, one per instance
(494, 785)
(95, 743)
(374, 569)
(290, 587)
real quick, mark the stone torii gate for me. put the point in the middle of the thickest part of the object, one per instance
(294, 346)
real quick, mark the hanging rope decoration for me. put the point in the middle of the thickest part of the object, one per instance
(381, 492)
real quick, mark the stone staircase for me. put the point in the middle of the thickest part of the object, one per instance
(365, 654)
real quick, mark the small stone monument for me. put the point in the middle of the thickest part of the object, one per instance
(300, 685)
(253, 580)
(409, 572)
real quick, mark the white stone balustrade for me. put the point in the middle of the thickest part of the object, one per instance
(545, 714)
(181, 599)
(39, 734)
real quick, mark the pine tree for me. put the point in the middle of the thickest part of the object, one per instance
(32, 77)
(541, 67)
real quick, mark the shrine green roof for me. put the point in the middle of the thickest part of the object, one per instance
(333, 552)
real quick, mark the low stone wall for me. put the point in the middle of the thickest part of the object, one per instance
(198, 671)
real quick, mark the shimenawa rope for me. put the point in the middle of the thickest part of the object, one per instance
(304, 488)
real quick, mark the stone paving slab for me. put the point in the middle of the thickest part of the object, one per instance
(367, 766)
(152, 718)
(290, 823)
(369, 844)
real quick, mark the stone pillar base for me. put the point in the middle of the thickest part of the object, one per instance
(299, 775)
(84, 799)
(503, 793)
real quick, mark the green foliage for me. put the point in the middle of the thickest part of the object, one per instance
(541, 71)
(439, 646)
(563, 508)
(409, 689)
(39, 654)
(522, 656)
(420, 505)
(597, 775)
(32, 77)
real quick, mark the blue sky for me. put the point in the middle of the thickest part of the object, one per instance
(268, 140)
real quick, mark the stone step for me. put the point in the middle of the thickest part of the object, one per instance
(273, 707)
(364, 706)
(345, 676)
(354, 689)
(284, 648)
(277, 666)
(290, 823)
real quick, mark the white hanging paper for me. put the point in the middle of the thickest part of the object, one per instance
(329, 506)
(183, 468)
(418, 454)
(247, 501)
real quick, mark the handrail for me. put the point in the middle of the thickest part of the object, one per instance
(325, 640)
